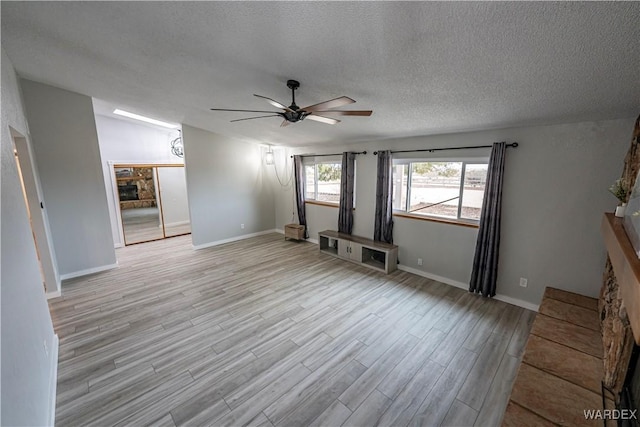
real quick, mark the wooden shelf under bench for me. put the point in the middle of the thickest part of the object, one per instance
(360, 250)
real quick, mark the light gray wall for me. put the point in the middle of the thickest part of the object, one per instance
(226, 187)
(554, 197)
(125, 142)
(65, 145)
(25, 320)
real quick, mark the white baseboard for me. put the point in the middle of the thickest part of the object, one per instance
(88, 271)
(277, 230)
(518, 302)
(465, 286)
(432, 276)
(53, 380)
(233, 239)
(118, 245)
(175, 224)
(54, 294)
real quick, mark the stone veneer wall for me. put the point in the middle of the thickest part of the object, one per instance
(617, 338)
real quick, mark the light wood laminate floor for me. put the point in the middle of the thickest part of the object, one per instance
(268, 332)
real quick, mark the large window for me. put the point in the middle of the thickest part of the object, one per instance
(445, 189)
(323, 182)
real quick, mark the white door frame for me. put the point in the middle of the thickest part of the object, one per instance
(39, 218)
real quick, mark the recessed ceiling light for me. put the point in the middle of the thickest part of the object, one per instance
(144, 119)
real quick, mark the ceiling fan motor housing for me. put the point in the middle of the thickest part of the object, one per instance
(295, 116)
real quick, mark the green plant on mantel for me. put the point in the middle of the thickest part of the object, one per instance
(618, 190)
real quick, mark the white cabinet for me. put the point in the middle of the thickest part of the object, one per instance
(377, 255)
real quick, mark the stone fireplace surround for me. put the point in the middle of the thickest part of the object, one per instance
(619, 302)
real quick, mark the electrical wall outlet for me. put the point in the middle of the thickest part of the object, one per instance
(419, 261)
(242, 226)
(46, 348)
(523, 282)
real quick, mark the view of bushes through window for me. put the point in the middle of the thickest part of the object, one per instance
(323, 182)
(445, 189)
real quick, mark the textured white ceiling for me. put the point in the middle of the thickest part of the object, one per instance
(423, 67)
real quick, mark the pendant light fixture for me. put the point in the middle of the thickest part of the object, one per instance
(268, 157)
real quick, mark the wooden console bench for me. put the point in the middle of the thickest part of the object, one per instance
(561, 371)
(369, 253)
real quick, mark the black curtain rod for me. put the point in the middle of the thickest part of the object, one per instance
(325, 155)
(430, 150)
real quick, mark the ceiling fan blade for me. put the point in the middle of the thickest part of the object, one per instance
(322, 119)
(275, 103)
(346, 113)
(285, 123)
(243, 111)
(332, 103)
(258, 117)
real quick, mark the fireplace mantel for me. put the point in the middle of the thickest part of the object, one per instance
(626, 267)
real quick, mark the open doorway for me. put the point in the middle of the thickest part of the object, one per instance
(35, 211)
(26, 202)
(152, 201)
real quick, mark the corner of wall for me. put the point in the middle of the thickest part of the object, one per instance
(53, 382)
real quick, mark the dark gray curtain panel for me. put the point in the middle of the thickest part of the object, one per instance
(383, 226)
(485, 262)
(301, 181)
(347, 180)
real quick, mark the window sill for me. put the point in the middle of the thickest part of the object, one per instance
(329, 204)
(436, 219)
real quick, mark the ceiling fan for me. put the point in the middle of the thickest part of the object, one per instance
(293, 113)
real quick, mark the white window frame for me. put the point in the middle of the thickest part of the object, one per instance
(464, 160)
(315, 164)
